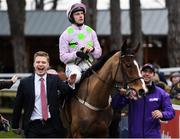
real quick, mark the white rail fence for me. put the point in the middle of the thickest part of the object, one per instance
(166, 71)
(9, 75)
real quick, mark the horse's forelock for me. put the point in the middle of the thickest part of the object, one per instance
(128, 51)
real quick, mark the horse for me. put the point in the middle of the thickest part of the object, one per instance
(90, 112)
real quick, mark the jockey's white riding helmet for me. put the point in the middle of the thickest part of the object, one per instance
(74, 8)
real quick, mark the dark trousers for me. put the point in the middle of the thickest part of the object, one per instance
(41, 129)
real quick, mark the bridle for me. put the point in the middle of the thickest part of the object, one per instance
(104, 82)
(125, 78)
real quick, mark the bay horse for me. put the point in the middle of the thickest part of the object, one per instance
(90, 111)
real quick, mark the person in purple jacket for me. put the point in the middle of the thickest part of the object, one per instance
(144, 114)
(78, 44)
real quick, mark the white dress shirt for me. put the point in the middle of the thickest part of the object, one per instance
(37, 112)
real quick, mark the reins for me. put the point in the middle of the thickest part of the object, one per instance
(89, 105)
(103, 81)
(125, 85)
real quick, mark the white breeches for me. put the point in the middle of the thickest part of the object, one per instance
(72, 68)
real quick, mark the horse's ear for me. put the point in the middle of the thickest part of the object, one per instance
(135, 50)
(124, 46)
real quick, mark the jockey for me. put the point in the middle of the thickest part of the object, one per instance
(77, 40)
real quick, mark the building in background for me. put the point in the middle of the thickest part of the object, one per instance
(43, 28)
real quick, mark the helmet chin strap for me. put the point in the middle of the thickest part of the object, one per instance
(79, 25)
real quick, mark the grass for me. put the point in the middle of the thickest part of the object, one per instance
(9, 134)
(175, 101)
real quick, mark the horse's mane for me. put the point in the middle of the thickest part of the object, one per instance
(97, 66)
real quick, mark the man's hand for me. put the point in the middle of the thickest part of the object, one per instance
(122, 91)
(14, 78)
(71, 81)
(157, 114)
(87, 49)
(132, 94)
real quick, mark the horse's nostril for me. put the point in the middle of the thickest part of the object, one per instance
(141, 92)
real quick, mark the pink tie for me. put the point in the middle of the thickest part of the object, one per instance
(43, 101)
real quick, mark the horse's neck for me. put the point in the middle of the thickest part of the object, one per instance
(97, 88)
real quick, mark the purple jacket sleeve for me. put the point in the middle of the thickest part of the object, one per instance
(119, 101)
(167, 109)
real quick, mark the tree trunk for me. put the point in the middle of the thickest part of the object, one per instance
(55, 2)
(16, 13)
(116, 37)
(173, 32)
(91, 15)
(135, 23)
(39, 4)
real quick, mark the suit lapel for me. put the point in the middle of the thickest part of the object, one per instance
(33, 87)
(48, 85)
(31, 91)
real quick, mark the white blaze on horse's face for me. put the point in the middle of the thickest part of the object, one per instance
(140, 75)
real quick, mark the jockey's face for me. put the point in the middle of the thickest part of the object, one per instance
(41, 65)
(79, 17)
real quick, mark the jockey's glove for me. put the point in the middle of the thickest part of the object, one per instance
(82, 55)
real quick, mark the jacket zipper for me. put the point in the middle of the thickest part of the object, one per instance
(144, 99)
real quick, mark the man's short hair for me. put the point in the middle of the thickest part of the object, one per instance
(41, 53)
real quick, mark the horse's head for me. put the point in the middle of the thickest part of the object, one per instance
(132, 77)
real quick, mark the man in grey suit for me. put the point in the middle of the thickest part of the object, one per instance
(29, 99)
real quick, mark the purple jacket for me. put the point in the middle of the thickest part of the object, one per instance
(140, 121)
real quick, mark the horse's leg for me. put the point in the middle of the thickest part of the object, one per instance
(100, 130)
(75, 131)
(69, 135)
(93, 130)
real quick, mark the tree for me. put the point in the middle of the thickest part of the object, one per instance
(116, 37)
(16, 13)
(39, 4)
(135, 24)
(55, 2)
(91, 15)
(116, 40)
(173, 38)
